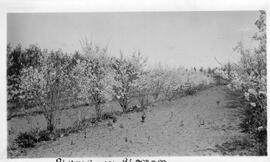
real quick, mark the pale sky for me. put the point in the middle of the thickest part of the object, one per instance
(171, 38)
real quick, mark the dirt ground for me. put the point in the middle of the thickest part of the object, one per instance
(192, 125)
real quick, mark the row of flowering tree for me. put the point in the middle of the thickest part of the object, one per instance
(92, 76)
(45, 79)
(249, 77)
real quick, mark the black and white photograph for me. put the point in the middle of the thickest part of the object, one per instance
(136, 84)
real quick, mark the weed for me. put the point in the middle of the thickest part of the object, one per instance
(26, 140)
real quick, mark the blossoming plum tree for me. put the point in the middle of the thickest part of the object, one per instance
(126, 72)
(45, 84)
(94, 76)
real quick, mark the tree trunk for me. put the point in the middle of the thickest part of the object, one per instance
(50, 121)
(98, 111)
(124, 103)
